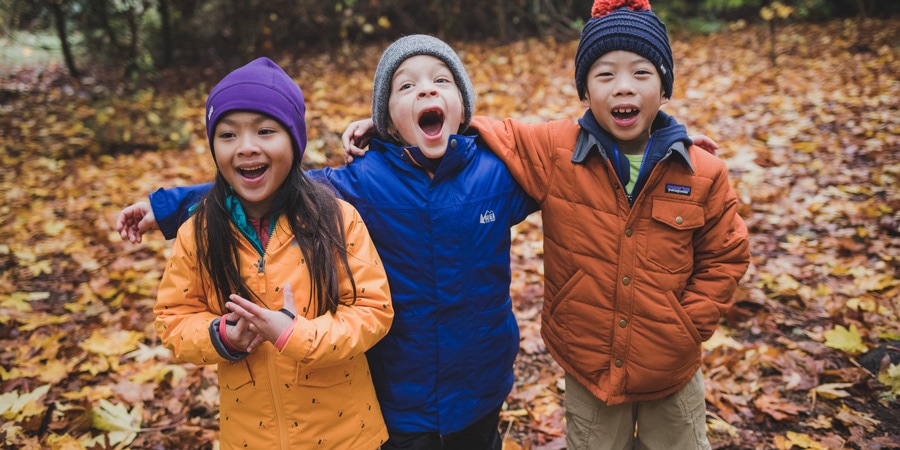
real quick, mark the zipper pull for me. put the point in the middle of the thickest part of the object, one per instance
(262, 265)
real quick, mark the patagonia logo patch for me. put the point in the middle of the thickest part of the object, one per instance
(676, 189)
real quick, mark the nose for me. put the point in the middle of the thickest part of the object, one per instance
(623, 87)
(427, 90)
(247, 144)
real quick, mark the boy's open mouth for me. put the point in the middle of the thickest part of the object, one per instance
(625, 113)
(431, 121)
(253, 172)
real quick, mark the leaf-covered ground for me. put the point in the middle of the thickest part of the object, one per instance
(812, 143)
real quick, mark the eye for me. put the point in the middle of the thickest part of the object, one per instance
(226, 135)
(266, 131)
(404, 86)
(443, 80)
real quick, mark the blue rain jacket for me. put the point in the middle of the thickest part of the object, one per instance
(444, 240)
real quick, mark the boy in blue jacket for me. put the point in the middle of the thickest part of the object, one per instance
(439, 207)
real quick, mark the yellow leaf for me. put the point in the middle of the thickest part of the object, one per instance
(54, 228)
(20, 300)
(54, 371)
(891, 378)
(116, 417)
(40, 267)
(16, 407)
(64, 442)
(144, 353)
(719, 426)
(384, 22)
(112, 342)
(847, 340)
(833, 390)
(803, 440)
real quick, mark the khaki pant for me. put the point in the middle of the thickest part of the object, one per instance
(675, 422)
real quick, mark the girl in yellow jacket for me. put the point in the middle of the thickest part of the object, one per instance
(289, 376)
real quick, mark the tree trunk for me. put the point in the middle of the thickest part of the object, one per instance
(166, 33)
(501, 20)
(59, 17)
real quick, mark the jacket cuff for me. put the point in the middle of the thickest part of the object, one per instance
(220, 346)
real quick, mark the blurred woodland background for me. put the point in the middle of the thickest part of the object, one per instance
(140, 37)
(102, 101)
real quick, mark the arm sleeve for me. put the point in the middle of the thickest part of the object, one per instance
(721, 257)
(355, 327)
(526, 149)
(172, 207)
(183, 319)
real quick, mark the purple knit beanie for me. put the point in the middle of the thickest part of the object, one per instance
(260, 86)
(624, 25)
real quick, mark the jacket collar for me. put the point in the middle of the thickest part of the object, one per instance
(460, 149)
(668, 137)
(239, 218)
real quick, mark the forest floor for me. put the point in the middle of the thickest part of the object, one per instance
(811, 140)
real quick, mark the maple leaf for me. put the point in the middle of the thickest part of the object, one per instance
(15, 406)
(116, 417)
(847, 340)
(891, 378)
(850, 417)
(777, 408)
(793, 439)
(832, 390)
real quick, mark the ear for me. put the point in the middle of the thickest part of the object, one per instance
(586, 101)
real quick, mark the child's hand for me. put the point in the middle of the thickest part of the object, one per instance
(704, 142)
(134, 221)
(239, 335)
(356, 138)
(269, 324)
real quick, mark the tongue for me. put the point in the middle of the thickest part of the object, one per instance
(432, 128)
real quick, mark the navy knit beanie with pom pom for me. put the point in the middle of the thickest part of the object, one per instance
(624, 25)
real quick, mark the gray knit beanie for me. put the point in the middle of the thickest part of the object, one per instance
(399, 51)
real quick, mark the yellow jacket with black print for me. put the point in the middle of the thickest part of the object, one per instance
(632, 284)
(317, 391)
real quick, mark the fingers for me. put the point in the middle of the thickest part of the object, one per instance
(244, 307)
(705, 143)
(255, 343)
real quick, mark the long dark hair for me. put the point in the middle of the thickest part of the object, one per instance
(315, 218)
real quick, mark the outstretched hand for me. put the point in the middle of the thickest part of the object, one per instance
(356, 138)
(267, 323)
(134, 221)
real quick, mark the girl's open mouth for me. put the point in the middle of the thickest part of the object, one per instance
(252, 173)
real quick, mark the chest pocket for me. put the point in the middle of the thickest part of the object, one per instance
(670, 246)
(327, 376)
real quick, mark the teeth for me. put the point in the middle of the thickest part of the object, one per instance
(624, 110)
(254, 168)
